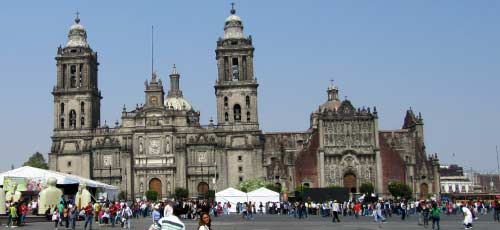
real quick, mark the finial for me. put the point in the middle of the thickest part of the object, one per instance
(77, 19)
(124, 108)
(233, 11)
(174, 70)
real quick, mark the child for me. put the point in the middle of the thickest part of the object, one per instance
(55, 217)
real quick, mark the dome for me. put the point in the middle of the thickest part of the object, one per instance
(330, 105)
(233, 18)
(178, 103)
(77, 36)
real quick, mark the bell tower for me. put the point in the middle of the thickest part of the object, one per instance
(236, 87)
(77, 99)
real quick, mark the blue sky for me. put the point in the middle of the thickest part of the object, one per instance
(439, 57)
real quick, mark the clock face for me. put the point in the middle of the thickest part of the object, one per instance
(153, 99)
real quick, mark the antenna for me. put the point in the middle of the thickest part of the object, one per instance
(498, 162)
(152, 50)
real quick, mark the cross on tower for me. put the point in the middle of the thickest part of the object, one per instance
(77, 19)
(233, 11)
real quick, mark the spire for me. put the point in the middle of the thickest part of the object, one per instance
(175, 90)
(77, 19)
(233, 11)
(333, 92)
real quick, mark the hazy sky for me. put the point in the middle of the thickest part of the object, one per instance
(439, 57)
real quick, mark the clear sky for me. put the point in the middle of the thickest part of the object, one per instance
(441, 58)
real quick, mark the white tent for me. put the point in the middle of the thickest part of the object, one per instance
(62, 178)
(232, 196)
(263, 195)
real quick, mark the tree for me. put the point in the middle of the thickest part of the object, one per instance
(122, 196)
(399, 189)
(37, 160)
(275, 187)
(152, 195)
(366, 188)
(180, 193)
(252, 184)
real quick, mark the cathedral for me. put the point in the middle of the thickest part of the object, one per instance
(160, 145)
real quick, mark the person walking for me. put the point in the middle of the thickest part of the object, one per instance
(425, 214)
(88, 216)
(467, 217)
(12, 215)
(403, 210)
(56, 216)
(126, 216)
(435, 213)
(72, 216)
(336, 210)
(378, 212)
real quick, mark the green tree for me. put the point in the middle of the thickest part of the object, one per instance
(399, 190)
(152, 195)
(274, 187)
(180, 193)
(121, 195)
(252, 184)
(37, 160)
(366, 188)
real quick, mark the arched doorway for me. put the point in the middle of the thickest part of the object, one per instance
(202, 188)
(424, 191)
(155, 185)
(350, 182)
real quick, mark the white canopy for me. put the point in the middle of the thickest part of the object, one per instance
(232, 196)
(263, 195)
(62, 178)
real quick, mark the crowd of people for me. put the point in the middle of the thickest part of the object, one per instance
(121, 214)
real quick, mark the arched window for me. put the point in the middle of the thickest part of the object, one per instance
(61, 125)
(237, 112)
(226, 102)
(61, 109)
(247, 100)
(72, 119)
(248, 116)
(72, 81)
(82, 121)
(82, 107)
(226, 117)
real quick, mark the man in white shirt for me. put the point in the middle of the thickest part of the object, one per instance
(336, 210)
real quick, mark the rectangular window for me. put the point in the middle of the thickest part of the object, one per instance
(72, 76)
(240, 169)
(69, 163)
(241, 179)
(240, 158)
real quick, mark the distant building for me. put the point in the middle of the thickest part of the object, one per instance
(488, 183)
(453, 180)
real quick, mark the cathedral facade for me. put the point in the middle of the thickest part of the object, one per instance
(160, 145)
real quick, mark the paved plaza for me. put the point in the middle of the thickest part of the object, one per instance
(264, 222)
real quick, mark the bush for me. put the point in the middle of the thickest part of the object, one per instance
(181, 193)
(122, 195)
(399, 190)
(366, 188)
(152, 195)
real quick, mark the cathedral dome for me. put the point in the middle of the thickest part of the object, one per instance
(77, 36)
(233, 18)
(178, 103)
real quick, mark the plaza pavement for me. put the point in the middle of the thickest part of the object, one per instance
(277, 222)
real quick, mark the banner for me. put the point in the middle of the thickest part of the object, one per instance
(23, 184)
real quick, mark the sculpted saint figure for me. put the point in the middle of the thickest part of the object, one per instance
(13, 195)
(49, 197)
(2, 202)
(83, 196)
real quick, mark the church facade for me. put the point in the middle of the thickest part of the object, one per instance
(160, 145)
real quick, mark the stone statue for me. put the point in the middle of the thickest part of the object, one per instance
(83, 196)
(2, 202)
(49, 197)
(13, 195)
